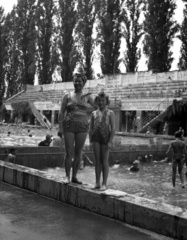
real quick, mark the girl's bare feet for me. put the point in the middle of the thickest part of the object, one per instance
(67, 180)
(103, 188)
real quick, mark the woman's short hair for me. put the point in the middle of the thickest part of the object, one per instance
(79, 72)
(102, 95)
(84, 78)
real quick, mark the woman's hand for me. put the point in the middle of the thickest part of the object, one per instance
(60, 132)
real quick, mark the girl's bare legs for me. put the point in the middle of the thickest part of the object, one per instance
(105, 166)
(96, 148)
(69, 145)
(79, 144)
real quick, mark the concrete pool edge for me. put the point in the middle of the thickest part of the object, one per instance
(148, 214)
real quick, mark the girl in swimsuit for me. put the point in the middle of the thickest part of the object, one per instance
(102, 130)
(73, 125)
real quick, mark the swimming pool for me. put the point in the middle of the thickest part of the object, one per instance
(153, 181)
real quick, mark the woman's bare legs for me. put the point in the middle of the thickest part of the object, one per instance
(79, 144)
(174, 171)
(104, 150)
(69, 145)
(96, 148)
(180, 171)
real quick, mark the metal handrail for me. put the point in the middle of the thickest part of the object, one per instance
(156, 111)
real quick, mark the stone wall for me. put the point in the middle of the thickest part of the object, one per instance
(49, 157)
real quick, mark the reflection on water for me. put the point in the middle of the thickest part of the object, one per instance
(153, 181)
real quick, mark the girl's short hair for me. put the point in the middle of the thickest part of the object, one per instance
(102, 95)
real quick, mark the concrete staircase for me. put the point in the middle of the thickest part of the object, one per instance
(155, 116)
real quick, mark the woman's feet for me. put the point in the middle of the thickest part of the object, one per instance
(96, 187)
(75, 180)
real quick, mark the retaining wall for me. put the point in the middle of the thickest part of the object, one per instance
(43, 157)
(148, 214)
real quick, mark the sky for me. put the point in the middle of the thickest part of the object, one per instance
(8, 4)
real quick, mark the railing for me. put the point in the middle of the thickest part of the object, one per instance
(41, 118)
(153, 114)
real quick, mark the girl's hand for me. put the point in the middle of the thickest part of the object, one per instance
(109, 145)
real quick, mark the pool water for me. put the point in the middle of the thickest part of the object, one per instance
(153, 181)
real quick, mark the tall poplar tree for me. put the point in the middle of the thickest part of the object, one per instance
(45, 12)
(132, 32)
(109, 34)
(83, 46)
(2, 83)
(26, 38)
(66, 21)
(160, 30)
(183, 37)
(13, 65)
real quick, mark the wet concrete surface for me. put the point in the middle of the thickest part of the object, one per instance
(153, 181)
(24, 215)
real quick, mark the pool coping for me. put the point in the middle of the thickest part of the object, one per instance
(157, 217)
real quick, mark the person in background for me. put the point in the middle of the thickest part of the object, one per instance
(11, 156)
(57, 142)
(177, 148)
(102, 130)
(165, 128)
(73, 124)
(182, 131)
(46, 142)
(135, 166)
(183, 139)
(29, 133)
(149, 130)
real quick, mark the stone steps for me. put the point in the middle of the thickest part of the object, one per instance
(147, 90)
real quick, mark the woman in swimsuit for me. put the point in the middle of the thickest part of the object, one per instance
(73, 124)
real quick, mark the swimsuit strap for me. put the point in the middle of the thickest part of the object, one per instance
(82, 99)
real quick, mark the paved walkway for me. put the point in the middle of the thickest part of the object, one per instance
(24, 215)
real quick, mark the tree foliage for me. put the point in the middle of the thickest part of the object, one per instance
(2, 53)
(21, 108)
(132, 32)
(109, 34)
(183, 37)
(160, 29)
(39, 36)
(46, 53)
(177, 108)
(82, 49)
(13, 66)
(67, 21)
